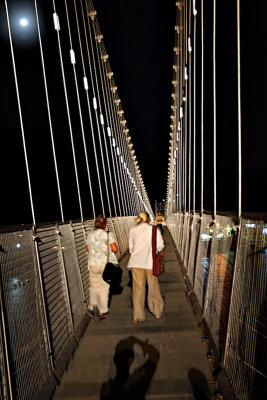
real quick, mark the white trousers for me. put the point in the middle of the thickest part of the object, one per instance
(98, 289)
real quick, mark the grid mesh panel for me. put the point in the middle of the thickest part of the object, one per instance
(2, 360)
(28, 354)
(179, 231)
(246, 347)
(59, 318)
(174, 225)
(119, 234)
(182, 236)
(73, 273)
(79, 233)
(220, 276)
(194, 228)
(187, 229)
(202, 261)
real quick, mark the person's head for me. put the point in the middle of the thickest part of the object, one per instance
(100, 223)
(124, 355)
(159, 213)
(143, 217)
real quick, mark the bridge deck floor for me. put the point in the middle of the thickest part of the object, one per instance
(183, 370)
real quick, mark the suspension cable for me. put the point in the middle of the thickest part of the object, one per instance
(100, 107)
(89, 108)
(180, 107)
(194, 108)
(239, 114)
(111, 133)
(78, 99)
(123, 156)
(190, 109)
(127, 158)
(49, 113)
(114, 144)
(102, 123)
(57, 28)
(214, 109)
(202, 112)
(20, 114)
(113, 89)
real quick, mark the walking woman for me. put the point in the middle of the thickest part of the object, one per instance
(140, 262)
(100, 245)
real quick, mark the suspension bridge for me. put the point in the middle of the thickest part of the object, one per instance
(79, 163)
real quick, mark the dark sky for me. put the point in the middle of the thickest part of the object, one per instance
(139, 38)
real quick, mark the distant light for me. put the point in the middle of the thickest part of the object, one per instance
(18, 245)
(205, 237)
(250, 225)
(23, 22)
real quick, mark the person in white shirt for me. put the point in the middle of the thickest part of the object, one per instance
(97, 243)
(141, 262)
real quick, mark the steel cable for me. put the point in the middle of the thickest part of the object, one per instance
(57, 28)
(89, 108)
(97, 99)
(48, 112)
(20, 115)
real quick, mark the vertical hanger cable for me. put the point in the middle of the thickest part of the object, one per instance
(20, 114)
(67, 109)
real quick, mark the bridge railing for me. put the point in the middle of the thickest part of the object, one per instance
(226, 268)
(44, 300)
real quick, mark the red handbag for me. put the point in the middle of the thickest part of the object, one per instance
(158, 263)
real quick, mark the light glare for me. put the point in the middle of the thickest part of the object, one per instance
(23, 22)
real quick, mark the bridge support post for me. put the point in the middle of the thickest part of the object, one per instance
(4, 357)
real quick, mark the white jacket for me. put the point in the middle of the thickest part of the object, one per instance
(140, 246)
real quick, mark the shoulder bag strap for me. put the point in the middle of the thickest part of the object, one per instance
(154, 240)
(108, 247)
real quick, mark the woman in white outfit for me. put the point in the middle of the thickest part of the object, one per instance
(98, 243)
(141, 262)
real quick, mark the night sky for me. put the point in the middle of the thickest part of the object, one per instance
(139, 38)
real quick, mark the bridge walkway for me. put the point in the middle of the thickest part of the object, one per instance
(182, 371)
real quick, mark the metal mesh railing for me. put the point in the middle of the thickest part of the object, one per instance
(73, 276)
(203, 259)
(56, 293)
(246, 349)
(194, 241)
(229, 277)
(219, 283)
(44, 297)
(28, 357)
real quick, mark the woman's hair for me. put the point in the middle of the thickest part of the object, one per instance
(142, 217)
(100, 223)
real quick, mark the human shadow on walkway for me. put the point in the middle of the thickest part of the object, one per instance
(127, 385)
(199, 385)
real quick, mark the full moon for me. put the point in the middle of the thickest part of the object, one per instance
(23, 22)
